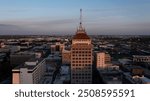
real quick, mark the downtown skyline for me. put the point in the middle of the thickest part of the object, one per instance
(129, 17)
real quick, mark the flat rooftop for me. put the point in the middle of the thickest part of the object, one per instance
(29, 67)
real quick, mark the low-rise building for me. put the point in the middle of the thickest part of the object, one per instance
(141, 58)
(58, 47)
(111, 76)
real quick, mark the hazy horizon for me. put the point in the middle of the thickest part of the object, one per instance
(109, 17)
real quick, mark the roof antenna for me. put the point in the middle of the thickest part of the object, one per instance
(81, 17)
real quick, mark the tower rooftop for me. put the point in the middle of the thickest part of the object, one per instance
(81, 33)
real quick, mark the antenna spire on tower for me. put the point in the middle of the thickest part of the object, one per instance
(81, 17)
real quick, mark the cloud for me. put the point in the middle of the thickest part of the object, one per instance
(8, 27)
(111, 24)
(14, 10)
(47, 25)
(54, 26)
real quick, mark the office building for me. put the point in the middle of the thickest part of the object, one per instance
(103, 60)
(81, 57)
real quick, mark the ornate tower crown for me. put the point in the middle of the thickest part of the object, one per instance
(81, 33)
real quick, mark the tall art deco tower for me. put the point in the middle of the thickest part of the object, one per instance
(81, 56)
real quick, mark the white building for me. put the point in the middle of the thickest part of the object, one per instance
(30, 72)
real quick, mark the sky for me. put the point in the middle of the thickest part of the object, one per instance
(131, 17)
